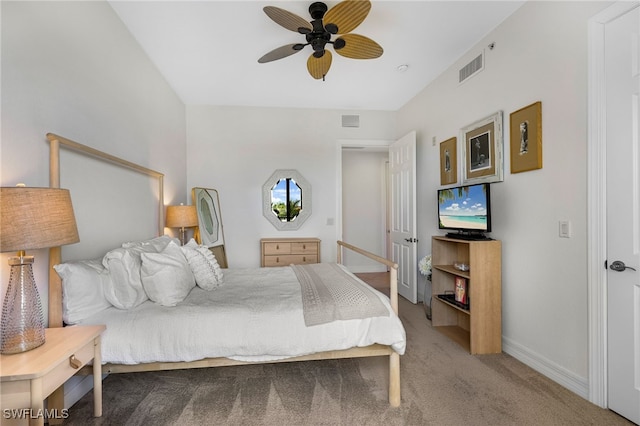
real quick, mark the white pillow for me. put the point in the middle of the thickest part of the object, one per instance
(166, 276)
(125, 290)
(204, 265)
(82, 289)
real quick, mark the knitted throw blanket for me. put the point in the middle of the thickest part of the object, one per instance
(329, 293)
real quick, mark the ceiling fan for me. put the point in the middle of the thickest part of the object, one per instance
(339, 20)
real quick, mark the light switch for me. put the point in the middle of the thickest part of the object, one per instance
(564, 229)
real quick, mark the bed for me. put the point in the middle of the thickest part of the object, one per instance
(282, 317)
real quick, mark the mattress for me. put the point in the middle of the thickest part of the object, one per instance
(255, 316)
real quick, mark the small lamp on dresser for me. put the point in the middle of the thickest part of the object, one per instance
(30, 219)
(182, 217)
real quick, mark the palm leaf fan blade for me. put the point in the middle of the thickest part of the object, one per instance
(286, 19)
(359, 47)
(347, 15)
(279, 53)
(319, 67)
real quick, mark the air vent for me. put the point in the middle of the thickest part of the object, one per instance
(472, 68)
(350, 121)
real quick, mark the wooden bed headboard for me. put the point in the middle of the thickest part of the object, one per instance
(57, 142)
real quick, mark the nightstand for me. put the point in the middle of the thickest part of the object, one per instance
(29, 377)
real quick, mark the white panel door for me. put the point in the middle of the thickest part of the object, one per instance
(402, 174)
(622, 69)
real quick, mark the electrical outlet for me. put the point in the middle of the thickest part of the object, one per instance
(564, 229)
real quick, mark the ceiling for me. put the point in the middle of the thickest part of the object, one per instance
(208, 50)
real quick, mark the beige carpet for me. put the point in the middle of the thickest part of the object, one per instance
(441, 385)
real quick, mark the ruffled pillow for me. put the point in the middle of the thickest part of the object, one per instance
(204, 265)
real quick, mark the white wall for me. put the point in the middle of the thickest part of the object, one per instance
(363, 207)
(235, 150)
(73, 69)
(540, 55)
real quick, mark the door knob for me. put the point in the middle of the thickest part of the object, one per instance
(619, 266)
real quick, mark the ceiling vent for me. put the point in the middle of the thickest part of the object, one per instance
(350, 121)
(472, 68)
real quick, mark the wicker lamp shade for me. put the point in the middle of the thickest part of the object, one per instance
(30, 218)
(36, 218)
(182, 216)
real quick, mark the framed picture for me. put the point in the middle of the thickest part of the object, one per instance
(461, 291)
(482, 150)
(448, 162)
(526, 138)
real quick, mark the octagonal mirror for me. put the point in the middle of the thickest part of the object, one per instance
(286, 199)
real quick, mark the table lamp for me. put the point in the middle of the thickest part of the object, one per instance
(182, 217)
(30, 219)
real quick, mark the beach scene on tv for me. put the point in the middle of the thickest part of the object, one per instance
(463, 207)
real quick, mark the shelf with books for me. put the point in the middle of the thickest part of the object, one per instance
(467, 303)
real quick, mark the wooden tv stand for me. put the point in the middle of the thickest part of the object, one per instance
(478, 327)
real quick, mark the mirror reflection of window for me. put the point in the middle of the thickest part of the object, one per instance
(286, 200)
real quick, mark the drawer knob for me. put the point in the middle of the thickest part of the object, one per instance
(75, 362)
(277, 260)
(277, 246)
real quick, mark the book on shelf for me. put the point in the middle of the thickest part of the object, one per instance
(460, 291)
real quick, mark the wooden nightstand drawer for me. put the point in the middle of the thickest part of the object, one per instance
(18, 393)
(61, 372)
(287, 251)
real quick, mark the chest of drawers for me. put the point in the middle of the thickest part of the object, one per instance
(287, 251)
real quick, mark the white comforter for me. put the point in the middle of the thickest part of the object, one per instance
(255, 316)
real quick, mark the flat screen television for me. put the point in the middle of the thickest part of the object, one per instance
(465, 211)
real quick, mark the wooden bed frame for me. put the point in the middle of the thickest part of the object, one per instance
(55, 291)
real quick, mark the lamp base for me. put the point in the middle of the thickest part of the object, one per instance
(22, 317)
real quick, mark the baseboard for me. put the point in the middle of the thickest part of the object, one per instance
(562, 376)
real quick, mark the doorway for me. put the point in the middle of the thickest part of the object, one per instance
(364, 199)
(605, 329)
(398, 225)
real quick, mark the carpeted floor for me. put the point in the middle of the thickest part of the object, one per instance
(441, 385)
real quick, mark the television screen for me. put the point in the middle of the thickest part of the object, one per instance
(465, 209)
